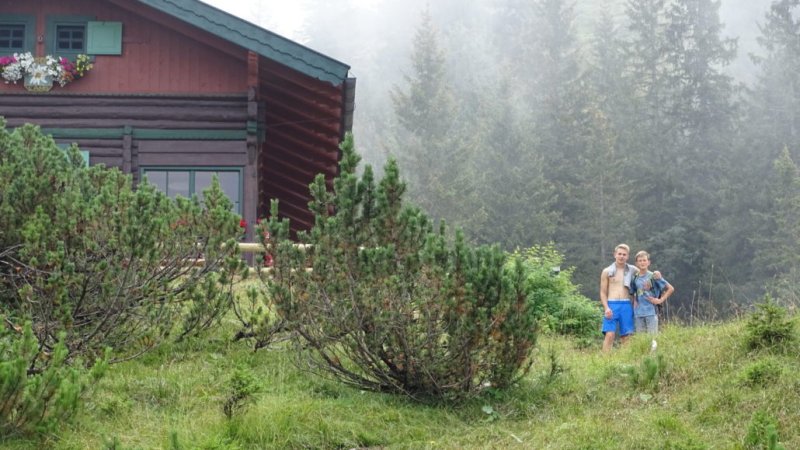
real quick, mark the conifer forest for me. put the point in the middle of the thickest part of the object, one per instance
(670, 125)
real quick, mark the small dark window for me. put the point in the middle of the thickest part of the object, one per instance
(12, 37)
(66, 36)
(17, 33)
(71, 38)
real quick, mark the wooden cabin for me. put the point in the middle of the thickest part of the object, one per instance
(180, 91)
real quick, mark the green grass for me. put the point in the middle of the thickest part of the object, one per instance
(702, 393)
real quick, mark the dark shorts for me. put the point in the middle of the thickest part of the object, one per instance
(622, 315)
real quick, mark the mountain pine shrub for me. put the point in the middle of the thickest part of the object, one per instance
(762, 433)
(39, 402)
(382, 301)
(650, 373)
(770, 327)
(557, 304)
(83, 253)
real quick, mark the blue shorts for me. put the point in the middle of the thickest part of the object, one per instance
(622, 315)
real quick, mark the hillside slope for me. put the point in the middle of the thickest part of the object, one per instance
(705, 393)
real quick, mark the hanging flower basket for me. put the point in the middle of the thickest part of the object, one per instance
(39, 73)
(39, 76)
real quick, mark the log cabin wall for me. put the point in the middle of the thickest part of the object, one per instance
(134, 132)
(303, 129)
(159, 53)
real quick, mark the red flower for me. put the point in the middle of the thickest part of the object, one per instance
(268, 261)
(243, 223)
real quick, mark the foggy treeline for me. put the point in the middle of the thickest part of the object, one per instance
(585, 124)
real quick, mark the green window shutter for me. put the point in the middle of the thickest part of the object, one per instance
(104, 38)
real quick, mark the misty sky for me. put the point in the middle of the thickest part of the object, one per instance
(741, 19)
(284, 18)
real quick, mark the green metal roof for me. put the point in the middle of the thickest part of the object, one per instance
(253, 37)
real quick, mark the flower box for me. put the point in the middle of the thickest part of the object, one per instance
(39, 73)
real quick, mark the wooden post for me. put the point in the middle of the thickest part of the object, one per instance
(251, 200)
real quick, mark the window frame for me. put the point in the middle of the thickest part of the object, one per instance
(29, 37)
(51, 34)
(237, 206)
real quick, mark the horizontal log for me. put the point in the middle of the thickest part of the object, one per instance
(297, 140)
(304, 102)
(257, 247)
(190, 159)
(107, 161)
(189, 134)
(288, 181)
(59, 122)
(227, 147)
(279, 151)
(287, 196)
(238, 115)
(104, 153)
(88, 144)
(301, 171)
(279, 116)
(126, 101)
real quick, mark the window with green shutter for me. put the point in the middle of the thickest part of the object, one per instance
(66, 35)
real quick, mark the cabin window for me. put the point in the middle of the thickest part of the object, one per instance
(70, 38)
(16, 34)
(12, 37)
(66, 36)
(185, 182)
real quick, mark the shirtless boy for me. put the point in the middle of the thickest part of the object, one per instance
(615, 283)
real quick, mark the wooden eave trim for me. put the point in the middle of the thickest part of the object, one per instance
(146, 134)
(272, 70)
(253, 71)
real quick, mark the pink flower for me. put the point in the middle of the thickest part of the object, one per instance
(66, 65)
(6, 60)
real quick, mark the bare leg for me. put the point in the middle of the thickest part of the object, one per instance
(608, 341)
(624, 339)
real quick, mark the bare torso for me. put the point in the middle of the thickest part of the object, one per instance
(617, 290)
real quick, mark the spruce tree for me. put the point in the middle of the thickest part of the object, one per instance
(429, 142)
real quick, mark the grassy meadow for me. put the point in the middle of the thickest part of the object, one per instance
(701, 390)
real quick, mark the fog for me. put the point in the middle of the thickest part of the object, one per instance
(375, 37)
(670, 125)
